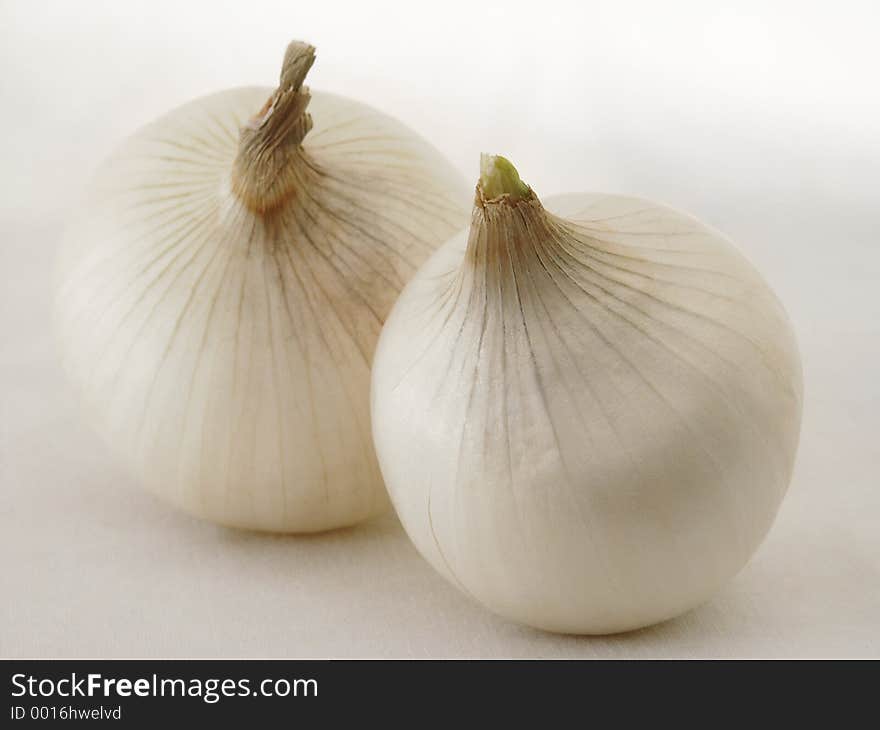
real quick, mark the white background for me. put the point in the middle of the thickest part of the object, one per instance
(762, 118)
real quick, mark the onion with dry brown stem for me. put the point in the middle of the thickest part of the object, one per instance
(222, 291)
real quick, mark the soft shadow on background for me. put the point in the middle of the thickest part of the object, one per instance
(761, 118)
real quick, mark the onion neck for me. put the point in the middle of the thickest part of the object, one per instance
(270, 145)
(508, 223)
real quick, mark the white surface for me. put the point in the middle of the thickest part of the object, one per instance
(762, 119)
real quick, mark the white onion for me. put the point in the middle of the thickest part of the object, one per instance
(223, 288)
(586, 414)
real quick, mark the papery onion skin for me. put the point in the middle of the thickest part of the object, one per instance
(586, 412)
(221, 329)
